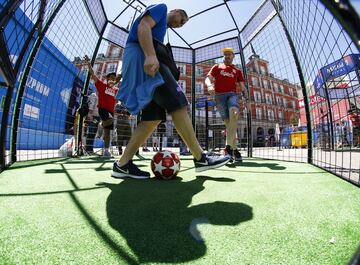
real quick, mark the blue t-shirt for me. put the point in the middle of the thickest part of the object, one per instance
(158, 13)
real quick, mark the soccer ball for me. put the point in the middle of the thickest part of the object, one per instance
(165, 165)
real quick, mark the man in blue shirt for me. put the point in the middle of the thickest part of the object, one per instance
(150, 88)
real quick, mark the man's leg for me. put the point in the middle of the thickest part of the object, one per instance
(184, 127)
(231, 127)
(140, 134)
(106, 138)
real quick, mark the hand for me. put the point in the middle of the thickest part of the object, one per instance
(211, 90)
(151, 65)
(87, 59)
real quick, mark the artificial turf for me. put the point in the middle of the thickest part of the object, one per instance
(70, 211)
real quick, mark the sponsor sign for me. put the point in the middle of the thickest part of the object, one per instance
(314, 100)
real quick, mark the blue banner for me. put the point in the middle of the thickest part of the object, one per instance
(340, 67)
(47, 100)
(336, 89)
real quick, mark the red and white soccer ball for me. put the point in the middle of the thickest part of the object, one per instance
(165, 164)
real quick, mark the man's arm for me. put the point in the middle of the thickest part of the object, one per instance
(151, 64)
(209, 82)
(91, 70)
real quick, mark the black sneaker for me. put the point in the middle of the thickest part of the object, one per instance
(208, 162)
(237, 156)
(229, 153)
(129, 170)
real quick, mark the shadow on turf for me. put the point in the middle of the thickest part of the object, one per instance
(155, 217)
(272, 166)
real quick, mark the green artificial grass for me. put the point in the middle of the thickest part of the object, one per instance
(70, 211)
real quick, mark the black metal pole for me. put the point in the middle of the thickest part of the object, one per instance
(193, 80)
(207, 124)
(302, 82)
(4, 125)
(6, 68)
(247, 100)
(329, 113)
(22, 85)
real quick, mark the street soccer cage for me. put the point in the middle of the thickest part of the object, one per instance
(300, 60)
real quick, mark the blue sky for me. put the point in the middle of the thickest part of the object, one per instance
(210, 23)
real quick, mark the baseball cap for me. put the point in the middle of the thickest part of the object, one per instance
(227, 50)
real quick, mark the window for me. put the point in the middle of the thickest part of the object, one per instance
(281, 88)
(262, 70)
(281, 115)
(182, 84)
(270, 115)
(115, 52)
(111, 67)
(198, 71)
(275, 87)
(96, 68)
(257, 96)
(182, 69)
(284, 102)
(254, 81)
(279, 101)
(268, 99)
(293, 104)
(266, 84)
(199, 88)
(245, 113)
(258, 113)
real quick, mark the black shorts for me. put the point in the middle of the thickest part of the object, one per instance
(105, 115)
(167, 98)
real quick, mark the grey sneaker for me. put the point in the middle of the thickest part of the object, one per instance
(210, 161)
(129, 170)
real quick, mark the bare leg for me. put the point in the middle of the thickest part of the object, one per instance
(231, 127)
(106, 138)
(184, 127)
(107, 122)
(141, 133)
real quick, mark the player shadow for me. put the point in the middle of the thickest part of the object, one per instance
(272, 166)
(157, 221)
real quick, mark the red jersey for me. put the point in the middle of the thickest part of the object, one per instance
(355, 119)
(226, 77)
(107, 96)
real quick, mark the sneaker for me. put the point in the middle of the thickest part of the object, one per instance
(228, 150)
(106, 153)
(237, 156)
(229, 153)
(129, 170)
(210, 161)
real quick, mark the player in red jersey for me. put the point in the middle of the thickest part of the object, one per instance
(106, 104)
(223, 81)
